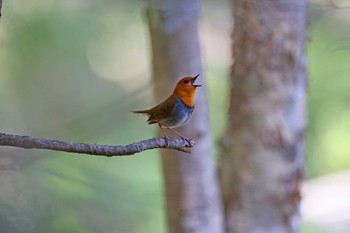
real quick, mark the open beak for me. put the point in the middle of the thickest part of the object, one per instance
(193, 80)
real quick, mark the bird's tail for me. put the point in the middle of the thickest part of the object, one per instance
(145, 112)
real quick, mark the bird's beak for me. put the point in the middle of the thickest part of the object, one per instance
(194, 79)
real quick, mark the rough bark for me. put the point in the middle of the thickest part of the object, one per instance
(191, 184)
(263, 149)
(28, 142)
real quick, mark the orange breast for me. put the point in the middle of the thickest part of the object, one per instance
(187, 96)
(188, 100)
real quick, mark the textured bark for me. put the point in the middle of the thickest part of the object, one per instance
(191, 182)
(28, 142)
(263, 149)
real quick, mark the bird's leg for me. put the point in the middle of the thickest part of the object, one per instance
(165, 136)
(176, 133)
(182, 137)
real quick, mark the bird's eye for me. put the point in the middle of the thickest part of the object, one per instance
(185, 81)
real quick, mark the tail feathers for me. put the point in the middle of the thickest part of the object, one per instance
(145, 112)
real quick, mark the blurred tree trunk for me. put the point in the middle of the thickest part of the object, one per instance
(192, 188)
(263, 149)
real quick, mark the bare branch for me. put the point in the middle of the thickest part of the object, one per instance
(28, 142)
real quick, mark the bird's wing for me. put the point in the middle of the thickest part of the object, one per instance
(162, 110)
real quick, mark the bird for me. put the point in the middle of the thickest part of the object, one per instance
(177, 109)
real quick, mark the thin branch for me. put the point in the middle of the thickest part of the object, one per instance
(28, 142)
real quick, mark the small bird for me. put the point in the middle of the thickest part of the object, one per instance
(177, 109)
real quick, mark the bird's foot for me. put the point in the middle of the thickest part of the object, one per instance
(189, 141)
(166, 139)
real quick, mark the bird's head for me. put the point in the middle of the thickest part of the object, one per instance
(186, 85)
(186, 90)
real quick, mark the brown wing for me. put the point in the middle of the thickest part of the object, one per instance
(162, 110)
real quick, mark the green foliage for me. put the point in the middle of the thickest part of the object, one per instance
(74, 70)
(329, 100)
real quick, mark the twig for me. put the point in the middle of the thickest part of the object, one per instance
(28, 142)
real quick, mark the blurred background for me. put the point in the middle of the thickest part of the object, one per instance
(73, 70)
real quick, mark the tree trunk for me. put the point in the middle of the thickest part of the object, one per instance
(263, 149)
(191, 183)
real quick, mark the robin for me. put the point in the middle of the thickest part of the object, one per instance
(177, 109)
